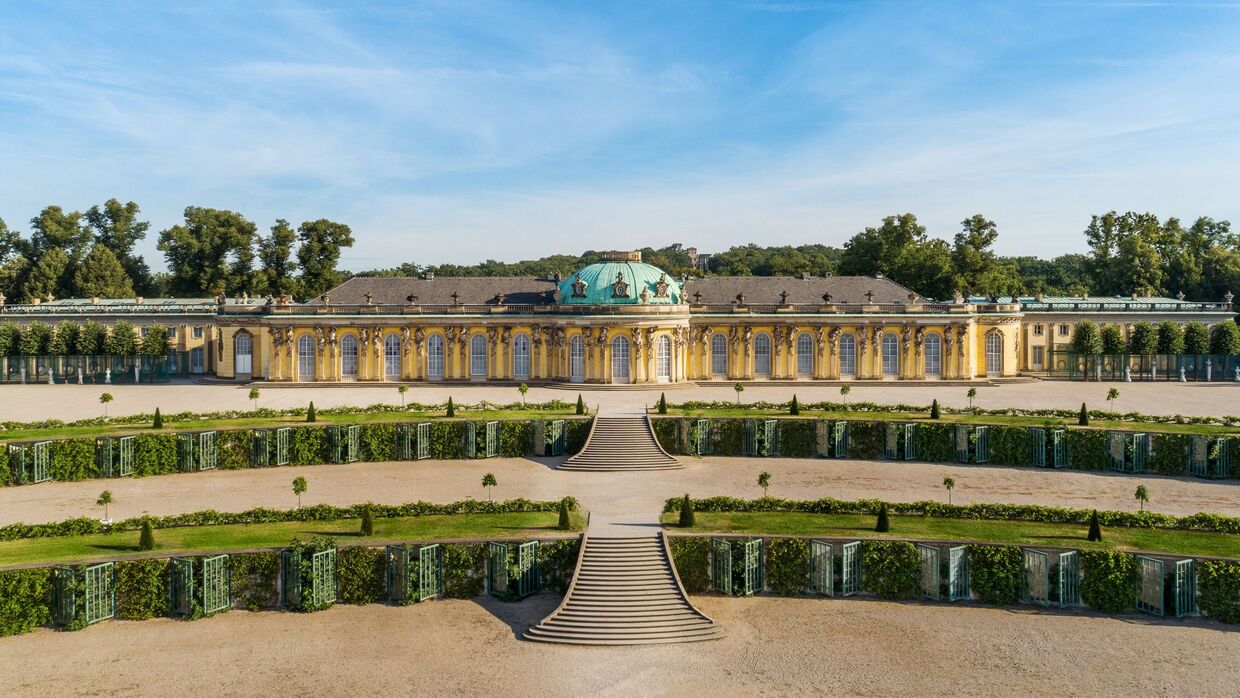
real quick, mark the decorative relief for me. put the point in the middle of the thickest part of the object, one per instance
(620, 289)
(579, 287)
(661, 287)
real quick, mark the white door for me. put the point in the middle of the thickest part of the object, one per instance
(576, 360)
(478, 357)
(664, 359)
(620, 360)
(434, 357)
(348, 357)
(243, 355)
(391, 357)
(195, 361)
(994, 354)
(305, 358)
(521, 357)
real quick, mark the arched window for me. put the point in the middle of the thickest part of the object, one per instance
(478, 356)
(305, 358)
(576, 359)
(805, 354)
(391, 357)
(243, 353)
(719, 354)
(891, 354)
(994, 354)
(934, 355)
(664, 359)
(762, 355)
(521, 357)
(848, 355)
(434, 357)
(348, 357)
(620, 359)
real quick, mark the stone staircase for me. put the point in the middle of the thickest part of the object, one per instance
(621, 443)
(625, 592)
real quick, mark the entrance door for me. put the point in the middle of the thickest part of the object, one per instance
(305, 358)
(577, 360)
(195, 361)
(243, 355)
(620, 360)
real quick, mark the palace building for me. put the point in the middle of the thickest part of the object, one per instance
(622, 321)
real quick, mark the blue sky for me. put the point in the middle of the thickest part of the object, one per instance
(458, 131)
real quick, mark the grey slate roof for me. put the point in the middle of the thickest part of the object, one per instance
(762, 290)
(438, 291)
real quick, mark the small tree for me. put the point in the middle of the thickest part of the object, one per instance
(662, 403)
(1095, 529)
(451, 407)
(146, 539)
(971, 394)
(1086, 339)
(1142, 496)
(844, 391)
(254, 397)
(402, 390)
(564, 523)
(368, 522)
(1112, 396)
(686, 512)
(581, 405)
(794, 407)
(1082, 419)
(1113, 340)
(311, 415)
(299, 488)
(764, 481)
(883, 525)
(739, 389)
(489, 481)
(158, 422)
(104, 399)
(934, 409)
(105, 498)
(949, 483)
(523, 389)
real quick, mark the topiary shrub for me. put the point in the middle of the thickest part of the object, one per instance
(1218, 590)
(1108, 580)
(311, 415)
(996, 573)
(1095, 529)
(662, 403)
(891, 569)
(934, 409)
(451, 408)
(787, 566)
(882, 525)
(692, 559)
(368, 521)
(146, 539)
(564, 523)
(686, 512)
(1082, 419)
(362, 575)
(581, 405)
(141, 589)
(25, 600)
(158, 422)
(794, 407)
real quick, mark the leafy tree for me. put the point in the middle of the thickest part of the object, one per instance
(844, 391)
(1095, 529)
(101, 275)
(402, 389)
(122, 340)
(764, 481)
(739, 388)
(489, 481)
(310, 414)
(55, 229)
(1170, 338)
(368, 522)
(1143, 339)
(105, 500)
(1112, 340)
(523, 389)
(46, 276)
(900, 249)
(1142, 496)
(971, 394)
(1196, 338)
(1086, 339)
(934, 409)
(104, 399)
(90, 338)
(1124, 253)
(158, 421)
(10, 338)
(254, 397)
(883, 525)
(564, 523)
(1112, 396)
(155, 342)
(34, 339)
(146, 539)
(319, 253)
(211, 253)
(299, 488)
(1082, 418)
(63, 339)
(950, 484)
(275, 258)
(116, 227)
(686, 512)
(1225, 338)
(978, 269)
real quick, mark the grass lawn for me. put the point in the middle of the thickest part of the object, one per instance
(742, 412)
(968, 530)
(190, 539)
(272, 422)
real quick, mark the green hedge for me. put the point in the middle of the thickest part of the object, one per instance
(665, 434)
(692, 559)
(996, 573)
(865, 440)
(1218, 588)
(1108, 580)
(72, 459)
(464, 569)
(1214, 523)
(1008, 445)
(363, 575)
(787, 566)
(798, 438)
(254, 579)
(235, 448)
(557, 560)
(154, 454)
(25, 600)
(891, 569)
(141, 589)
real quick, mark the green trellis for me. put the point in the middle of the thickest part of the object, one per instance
(958, 573)
(1185, 587)
(411, 579)
(832, 438)
(481, 443)
(82, 596)
(308, 581)
(413, 441)
(737, 567)
(197, 451)
(512, 570)
(930, 571)
(1208, 457)
(1150, 586)
(1068, 571)
(548, 437)
(1128, 451)
(699, 440)
(114, 456)
(761, 437)
(271, 446)
(199, 585)
(972, 443)
(850, 568)
(821, 568)
(1036, 583)
(30, 463)
(397, 577)
(405, 442)
(345, 443)
(900, 442)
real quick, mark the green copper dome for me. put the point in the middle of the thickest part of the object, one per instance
(620, 279)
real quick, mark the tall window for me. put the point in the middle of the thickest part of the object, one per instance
(664, 359)
(391, 357)
(719, 354)
(478, 356)
(521, 356)
(934, 355)
(348, 356)
(195, 361)
(994, 354)
(305, 358)
(805, 354)
(762, 355)
(848, 355)
(434, 356)
(243, 353)
(620, 359)
(891, 354)
(576, 359)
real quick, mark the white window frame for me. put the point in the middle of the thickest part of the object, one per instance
(478, 357)
(891, 355)
(994, 354)
(848, 355)
(577, 359)
(805, 354)
(663, 360)
(719, 354)
(762, 354)
(306, 359)
(348, 357)
(243, 353)
(934, 355)
(391, 357)
(521, 357)
(435, 355)
(620, 354)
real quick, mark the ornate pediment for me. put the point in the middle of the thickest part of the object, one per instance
(620, 289)
(661, 286)
(579, 287)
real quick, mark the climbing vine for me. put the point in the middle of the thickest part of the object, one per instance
(891, 569)
(1108, 580)
(996, 573)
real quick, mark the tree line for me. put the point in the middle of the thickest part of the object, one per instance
(87, 339)
(1166, 337)
(213, 251)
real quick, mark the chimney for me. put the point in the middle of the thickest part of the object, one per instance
(94, 300)
(429, 275)
(138, 300)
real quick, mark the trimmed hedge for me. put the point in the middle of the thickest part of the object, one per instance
(1214, 523)
(996, 573)
(787, 569)
(464, 569)
(362, 575)
(1218, 590)
(692, 559)
(557, 560)
(891, 569)
(141, 589)
(25, 600)
(1109, 578)
(254, 579)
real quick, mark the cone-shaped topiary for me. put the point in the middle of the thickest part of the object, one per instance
(934, 409)
(662, 403)
(686, 513)
(883, 524)
(564, 524)
(368, 522)
(794, 407)
(158, 423)
(1095, 529)
(451, 407)
(146, 539)
(310, 414)
(1083, 418)
(581, 405)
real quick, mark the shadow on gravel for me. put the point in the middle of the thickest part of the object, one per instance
(519, 616)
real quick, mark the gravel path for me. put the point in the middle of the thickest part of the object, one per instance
(774, 647)
(620, 498)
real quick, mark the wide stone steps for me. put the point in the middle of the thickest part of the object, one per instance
(621, 443)
(624, 592)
